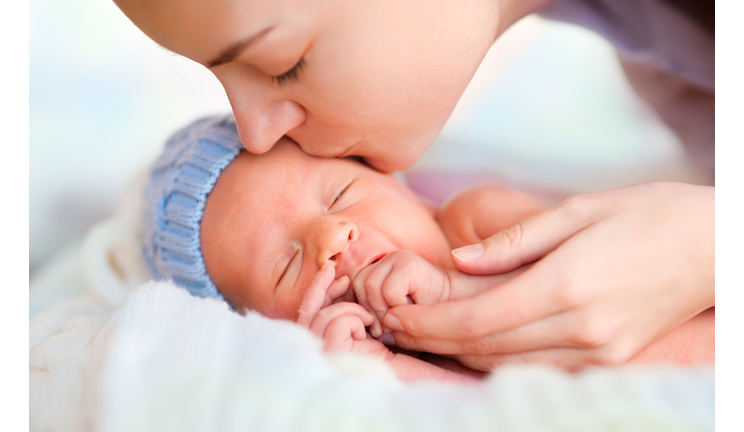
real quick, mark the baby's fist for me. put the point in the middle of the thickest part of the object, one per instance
(399, 278)
(342, 328)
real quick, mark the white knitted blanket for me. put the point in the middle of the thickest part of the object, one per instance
(166, 361)
(122, 355)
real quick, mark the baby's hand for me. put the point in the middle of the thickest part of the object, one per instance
(399, 278)
(342, 328)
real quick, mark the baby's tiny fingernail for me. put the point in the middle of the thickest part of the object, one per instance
(374, 329)
(387, 339)
(393, 323)
(469, 253)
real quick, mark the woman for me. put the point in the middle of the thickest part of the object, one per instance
(613, 270)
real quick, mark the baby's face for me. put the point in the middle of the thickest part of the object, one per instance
(273, 220)
(375, 79)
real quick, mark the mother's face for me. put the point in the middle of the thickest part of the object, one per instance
(375, 79)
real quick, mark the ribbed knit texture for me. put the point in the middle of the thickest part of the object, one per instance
(175, 196)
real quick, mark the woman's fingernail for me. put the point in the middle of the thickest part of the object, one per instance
(469, 253)
(387, 339)
(393, 323)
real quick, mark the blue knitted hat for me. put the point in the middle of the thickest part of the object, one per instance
(175, 196)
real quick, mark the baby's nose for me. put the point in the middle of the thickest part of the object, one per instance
(335, 242)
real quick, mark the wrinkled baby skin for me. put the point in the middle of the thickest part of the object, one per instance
(273, 220)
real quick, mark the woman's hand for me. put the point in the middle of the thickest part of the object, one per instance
(613, 271)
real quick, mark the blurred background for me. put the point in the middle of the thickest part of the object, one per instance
(549, 111)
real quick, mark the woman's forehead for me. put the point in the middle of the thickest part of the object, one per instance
(203, 29)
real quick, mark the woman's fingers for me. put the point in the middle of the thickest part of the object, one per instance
(522, 300)
(571, 359)
(527, 338)
(562, 330)
(526, 241)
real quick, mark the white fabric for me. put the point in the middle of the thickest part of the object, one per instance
(169, 361)
(111, 357)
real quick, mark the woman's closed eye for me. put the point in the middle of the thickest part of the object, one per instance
(290, 75)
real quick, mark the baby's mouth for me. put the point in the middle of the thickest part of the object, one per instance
(349, 295)
(374, 260)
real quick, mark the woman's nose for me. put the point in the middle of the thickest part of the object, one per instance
(335, 240)
(263, 114)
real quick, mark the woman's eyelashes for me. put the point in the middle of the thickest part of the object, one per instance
(290, 75)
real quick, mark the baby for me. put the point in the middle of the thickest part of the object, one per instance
(255, 230)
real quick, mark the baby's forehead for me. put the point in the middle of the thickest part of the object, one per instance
(287, 160)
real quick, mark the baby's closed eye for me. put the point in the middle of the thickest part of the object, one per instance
(341, 194)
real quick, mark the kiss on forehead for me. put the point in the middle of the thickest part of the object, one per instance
(378, 80)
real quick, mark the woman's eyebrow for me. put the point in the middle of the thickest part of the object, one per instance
(231, 52)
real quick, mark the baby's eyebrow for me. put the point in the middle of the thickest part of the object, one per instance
(232, 51)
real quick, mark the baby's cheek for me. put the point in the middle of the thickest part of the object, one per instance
(433, 245)
(237, 298)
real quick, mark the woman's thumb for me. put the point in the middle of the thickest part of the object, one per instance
(496, 254)
(520, 244)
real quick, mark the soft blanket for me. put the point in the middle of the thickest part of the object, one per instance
(169, 361)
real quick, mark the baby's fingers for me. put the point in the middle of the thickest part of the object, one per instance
(326, 315)
(367, 286)
(315, 295)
